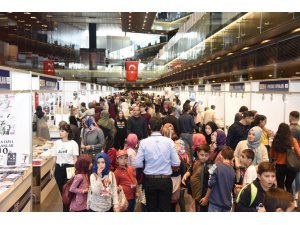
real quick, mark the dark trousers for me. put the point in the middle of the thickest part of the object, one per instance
(181, 201)
(285, 177)
(131, 205)
(60, 175)
(158, 194)
(120, 141)
(200, 208)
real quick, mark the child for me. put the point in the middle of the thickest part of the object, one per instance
(220, 184)
(198, 172)
(125, 177)
(278, 200)
(103, 192)
(246, 160)
(80, 185)
(250, 198)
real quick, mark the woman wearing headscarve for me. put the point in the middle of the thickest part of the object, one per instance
(103, 192)
(92, 137)
(209, 128)
(131, 147)
(218, 139)
(41, 119)
(253, 142)
(108, 128)
(198, 139)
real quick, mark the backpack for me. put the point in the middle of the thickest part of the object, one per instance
(66, 194)
(253, 190)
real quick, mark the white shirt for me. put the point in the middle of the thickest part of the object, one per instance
(250, 175)
(64, 151)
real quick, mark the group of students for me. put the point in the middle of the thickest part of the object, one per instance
(233, 172)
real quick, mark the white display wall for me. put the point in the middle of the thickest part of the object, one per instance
(16, 120)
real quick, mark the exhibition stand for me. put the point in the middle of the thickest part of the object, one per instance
(15, 140)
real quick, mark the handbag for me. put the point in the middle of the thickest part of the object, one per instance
(292, 160)
(123, 203)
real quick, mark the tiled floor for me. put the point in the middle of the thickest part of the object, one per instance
(53, 203)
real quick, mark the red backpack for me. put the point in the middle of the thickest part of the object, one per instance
(66, 194)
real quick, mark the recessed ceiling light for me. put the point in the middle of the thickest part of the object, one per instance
(296, 30)
(245, 48)
(38, 21)
(33, 17)
(265, 41)
(21, 21)
(28, 13)
(270, 75)
(129, 16)
(49, 16)
(28, 25)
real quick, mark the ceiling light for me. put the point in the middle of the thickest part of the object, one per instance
(297, 73)
(194, 65)
(28, 25)
(218, 57)
(296, 30)
(250, 77)
(129, 16)
(38, 21)
(245, 48)
(230, 53)
(21, 21)
(28, 13)
(143, 28)
(265, 41)
(130, 24)
(270, 75)
(213, 81)
(33, 17)
(49, 16)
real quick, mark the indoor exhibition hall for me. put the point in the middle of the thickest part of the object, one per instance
(149, 111)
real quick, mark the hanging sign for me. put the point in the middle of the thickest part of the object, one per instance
(216, 87)
(201, 87)
(4, 80)
(47, 83)
(274, 86)
(237, 87)
(132, 70)
(48, 67)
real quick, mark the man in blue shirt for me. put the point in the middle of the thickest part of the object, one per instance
(157, 154)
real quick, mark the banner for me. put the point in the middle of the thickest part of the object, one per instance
(274, 86)
(47, 83)
(4, 80)
(8, 155)
(237, 87)
(216, 87)
(48, 67)
(131, 70)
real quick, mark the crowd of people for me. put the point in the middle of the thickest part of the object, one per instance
(157, 152)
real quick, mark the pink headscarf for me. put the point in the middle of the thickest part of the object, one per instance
(198, 139)
(131, 142)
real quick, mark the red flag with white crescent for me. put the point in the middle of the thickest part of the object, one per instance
(131, 70)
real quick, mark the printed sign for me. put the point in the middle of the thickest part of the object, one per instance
(47, 83)
(201, 87)
(237, 87)
(191, 88)
(274, 86)
(216, 87)
(4, 80)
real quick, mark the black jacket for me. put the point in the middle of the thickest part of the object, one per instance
(243, 204)
(236, 133)
(174, 121)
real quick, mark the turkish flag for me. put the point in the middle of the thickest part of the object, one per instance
(49, 67)
(131, 70)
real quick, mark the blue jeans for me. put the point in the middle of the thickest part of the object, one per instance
(215, 208)
(188, 140)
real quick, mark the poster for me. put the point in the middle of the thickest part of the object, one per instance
(8, 156)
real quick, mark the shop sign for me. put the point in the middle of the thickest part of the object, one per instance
(274, 86)
(83, 86)
(216, 87)
(237, 87)
(47, 83)
(191, 88)
(4, 80)
(201, 87)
